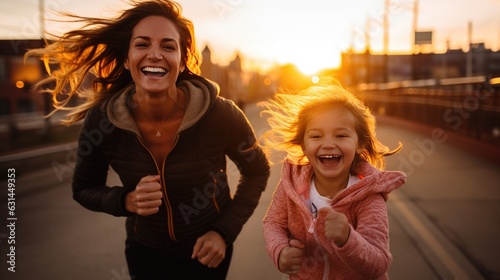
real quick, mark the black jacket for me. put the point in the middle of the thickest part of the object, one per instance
(197, 197)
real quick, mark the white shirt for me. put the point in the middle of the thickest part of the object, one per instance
(317, 201)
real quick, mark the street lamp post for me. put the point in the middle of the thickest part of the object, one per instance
(46, 97)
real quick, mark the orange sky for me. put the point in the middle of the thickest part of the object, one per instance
(310, 34)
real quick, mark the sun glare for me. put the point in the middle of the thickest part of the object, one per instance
(308, 67)
(311, 53)
(312, 64)
(311, 67)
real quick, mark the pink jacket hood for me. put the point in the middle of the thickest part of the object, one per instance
(298, 177)
(366, 253)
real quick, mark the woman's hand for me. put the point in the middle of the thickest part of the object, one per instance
(145, 200)
(291, 257)
(210, 249)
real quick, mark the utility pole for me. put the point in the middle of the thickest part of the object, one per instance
(468, 66)
(368, 26)
(46, 97)
(413, 47)
(469, 53)
(415, 26)
(386, 40)
(41, 9)
(386, 26)
(368, 66)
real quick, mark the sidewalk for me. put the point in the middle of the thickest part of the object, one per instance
(444, 221)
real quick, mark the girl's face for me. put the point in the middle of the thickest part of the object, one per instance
(154, 56)
(330, 142)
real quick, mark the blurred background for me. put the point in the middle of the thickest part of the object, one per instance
(407, 48)
(425, 67)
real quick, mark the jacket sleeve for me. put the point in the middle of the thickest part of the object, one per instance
(275, 225)
(367, 248)
(254, 169)
(91, 169)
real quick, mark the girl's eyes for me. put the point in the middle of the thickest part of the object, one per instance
(340, 136)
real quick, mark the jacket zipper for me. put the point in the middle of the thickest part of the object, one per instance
(326, 270)
(165, 198)
(214, 198)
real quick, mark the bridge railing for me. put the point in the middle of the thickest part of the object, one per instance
(468, 106)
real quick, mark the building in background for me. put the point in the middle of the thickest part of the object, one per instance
(17, 77)
(235, 83)
(229, 78)
(359, 68)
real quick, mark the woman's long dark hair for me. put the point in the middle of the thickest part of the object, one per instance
(98, 51)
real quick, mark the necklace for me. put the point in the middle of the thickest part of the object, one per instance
(177, 108)
(162, 126)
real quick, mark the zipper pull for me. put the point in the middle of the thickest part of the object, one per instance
(311, 227)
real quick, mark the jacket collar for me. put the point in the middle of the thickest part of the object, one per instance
(200, 93)
(297, 179)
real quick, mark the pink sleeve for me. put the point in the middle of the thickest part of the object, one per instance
(275, 225)
(367, 249)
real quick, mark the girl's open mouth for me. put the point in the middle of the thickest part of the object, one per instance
(329, 159)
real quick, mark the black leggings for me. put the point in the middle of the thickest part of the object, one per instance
(145, 263)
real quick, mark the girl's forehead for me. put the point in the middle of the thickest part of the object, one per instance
(330, 110)
(332, 116)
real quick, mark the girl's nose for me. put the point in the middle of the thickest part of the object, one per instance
(329, 143)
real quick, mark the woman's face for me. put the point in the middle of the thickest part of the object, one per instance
(154, 57)
(331, 142)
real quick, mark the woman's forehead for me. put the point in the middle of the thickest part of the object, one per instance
(156, 27)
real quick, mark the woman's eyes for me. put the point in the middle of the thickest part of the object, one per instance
(169, 47)
(165, 47)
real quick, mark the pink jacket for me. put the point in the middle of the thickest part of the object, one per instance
(365, 255)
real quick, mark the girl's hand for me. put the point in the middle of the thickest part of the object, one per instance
(336, 226)
(210, 249)
(145, 200)
(291, 257)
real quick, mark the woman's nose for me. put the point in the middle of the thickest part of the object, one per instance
(154, 55)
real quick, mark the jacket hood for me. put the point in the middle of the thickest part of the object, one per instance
(297, 180)
(200, 95)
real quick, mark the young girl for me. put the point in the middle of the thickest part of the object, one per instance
(328, 218)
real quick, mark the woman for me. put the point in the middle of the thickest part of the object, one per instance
(166, 132)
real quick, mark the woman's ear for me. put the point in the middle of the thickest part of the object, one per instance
(126, 65)
(182, 66)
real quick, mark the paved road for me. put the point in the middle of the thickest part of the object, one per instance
(444, 221)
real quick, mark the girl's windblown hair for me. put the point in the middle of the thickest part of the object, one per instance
(289, 113)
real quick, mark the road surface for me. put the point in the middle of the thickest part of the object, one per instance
(443, 222)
